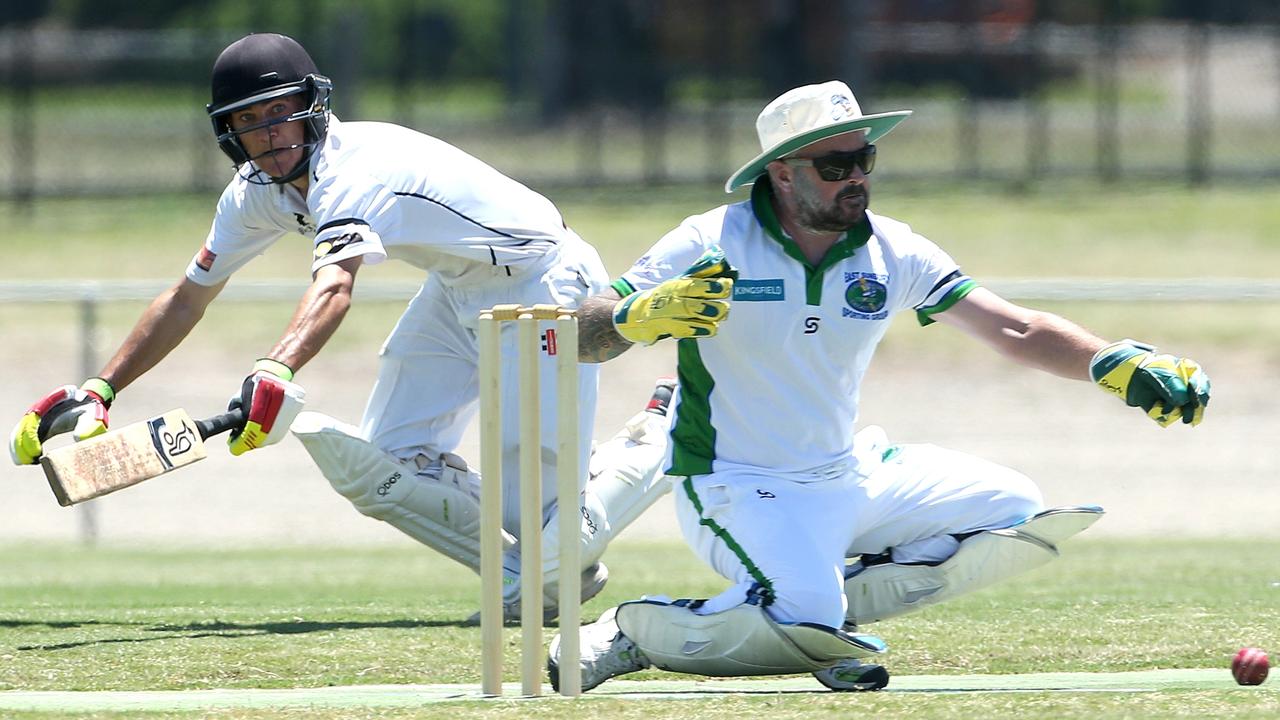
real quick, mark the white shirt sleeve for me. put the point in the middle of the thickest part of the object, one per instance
(241, 231)
(669, 257)
(352, 211)
(938, 282)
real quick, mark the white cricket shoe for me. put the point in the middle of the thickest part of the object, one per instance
(606, 653)
(853, 676)
(593, 581)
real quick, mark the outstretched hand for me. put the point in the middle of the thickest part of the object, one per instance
(81, 411)
(1166, 387)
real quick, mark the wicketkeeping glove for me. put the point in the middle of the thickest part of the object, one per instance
(271, 403)
(1166, 387)
(82, 410)
(689, 306)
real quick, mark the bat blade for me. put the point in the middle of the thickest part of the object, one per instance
(121, 458)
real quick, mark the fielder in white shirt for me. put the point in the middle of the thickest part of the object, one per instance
(360, 193)
(820, 529)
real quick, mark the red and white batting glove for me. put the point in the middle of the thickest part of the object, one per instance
(82, 410)
(270, 402)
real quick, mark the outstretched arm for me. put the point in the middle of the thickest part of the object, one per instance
(1029, 337)
(163, 325)
(268, 396)
(319, 313)
(83, 411)
(1166, 387)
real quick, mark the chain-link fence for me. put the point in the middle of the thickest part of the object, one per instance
(578, 92)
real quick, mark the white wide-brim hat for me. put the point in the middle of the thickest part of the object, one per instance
(804, 116)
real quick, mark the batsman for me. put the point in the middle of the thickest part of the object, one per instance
(820, 530)
(358, 193)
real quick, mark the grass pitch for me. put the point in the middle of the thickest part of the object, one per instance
(143, 619)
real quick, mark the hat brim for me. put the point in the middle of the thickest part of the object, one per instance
(877, 126)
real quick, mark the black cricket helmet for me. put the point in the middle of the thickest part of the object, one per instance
(264, 66)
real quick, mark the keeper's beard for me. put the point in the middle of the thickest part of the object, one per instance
(838, 216)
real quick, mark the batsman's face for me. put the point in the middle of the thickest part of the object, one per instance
(275, 146)
(829, 206)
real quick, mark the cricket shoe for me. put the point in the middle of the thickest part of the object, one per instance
(851, 675)
(605, 653)
(593, 581)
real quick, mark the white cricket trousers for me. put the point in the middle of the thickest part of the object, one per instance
(787, 536)
(427, 390)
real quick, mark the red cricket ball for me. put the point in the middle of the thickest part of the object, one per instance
(1249, 666)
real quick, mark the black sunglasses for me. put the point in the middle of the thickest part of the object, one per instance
(839, 166)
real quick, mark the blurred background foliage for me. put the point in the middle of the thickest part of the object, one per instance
(585, 92)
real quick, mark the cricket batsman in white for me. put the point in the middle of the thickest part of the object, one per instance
(360, 193)
(820, 530)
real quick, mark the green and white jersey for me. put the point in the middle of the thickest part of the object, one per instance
(777, 387)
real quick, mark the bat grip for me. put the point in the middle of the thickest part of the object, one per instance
(220, 423)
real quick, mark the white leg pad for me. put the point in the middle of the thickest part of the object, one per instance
(742, 640)
(442, 513)
(887, 590)
(626, 479)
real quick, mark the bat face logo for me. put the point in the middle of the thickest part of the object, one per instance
(179, 442)
(169, 443)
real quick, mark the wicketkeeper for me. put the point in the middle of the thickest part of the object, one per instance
(820, 530)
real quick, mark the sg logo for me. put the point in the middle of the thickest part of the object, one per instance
(810, 325)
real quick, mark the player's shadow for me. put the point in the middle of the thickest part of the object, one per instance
(57, 624)
(217, 628)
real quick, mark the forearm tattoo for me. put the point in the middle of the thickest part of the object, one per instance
(598, 341)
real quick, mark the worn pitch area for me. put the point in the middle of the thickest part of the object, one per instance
(412, 695)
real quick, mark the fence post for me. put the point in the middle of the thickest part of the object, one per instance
(23, 136)
(1199, 102)
(716, 120)
(88, 512)
(968, 141)
(1108, 95)
(1038, 138)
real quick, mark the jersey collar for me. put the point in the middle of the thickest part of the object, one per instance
(845, 247)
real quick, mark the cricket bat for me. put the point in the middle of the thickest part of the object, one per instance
(120, 458)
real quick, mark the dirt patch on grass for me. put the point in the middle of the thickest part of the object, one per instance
(1081, 446)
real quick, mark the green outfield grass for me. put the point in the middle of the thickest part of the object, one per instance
(75, 618)
(1062, 230)
(1071, 231)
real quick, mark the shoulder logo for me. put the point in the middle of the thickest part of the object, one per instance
(866, 295)
(205, 259)
(769, 289)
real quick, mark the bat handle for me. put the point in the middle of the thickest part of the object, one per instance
(220, 423)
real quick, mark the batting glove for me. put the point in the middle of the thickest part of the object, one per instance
(1165, 387)
(82, 410)
(689, 306)
(270, 402)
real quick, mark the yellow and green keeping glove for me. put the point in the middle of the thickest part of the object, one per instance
(689, 306)
(1167, 388)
